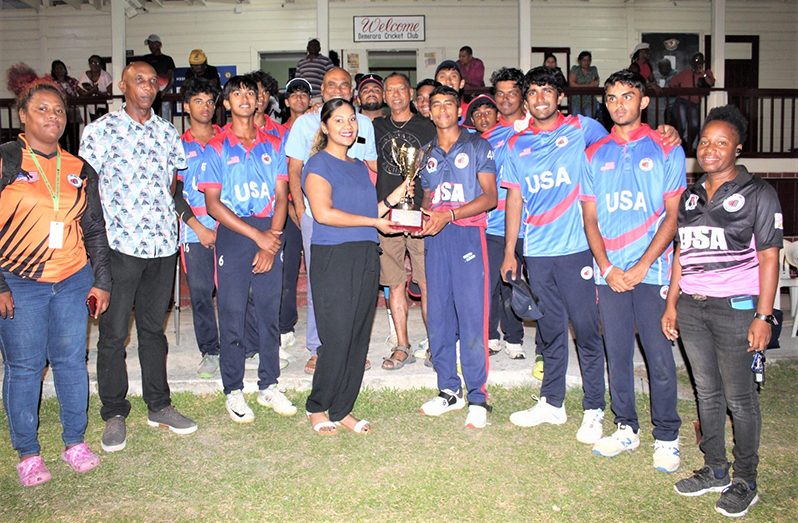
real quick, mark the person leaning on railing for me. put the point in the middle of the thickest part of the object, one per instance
(725, 272)
(50, 219)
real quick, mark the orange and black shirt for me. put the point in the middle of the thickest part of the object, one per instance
(27, 210)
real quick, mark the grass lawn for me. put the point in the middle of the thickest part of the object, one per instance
(410, 468)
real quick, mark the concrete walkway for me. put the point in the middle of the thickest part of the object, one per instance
(184, 358)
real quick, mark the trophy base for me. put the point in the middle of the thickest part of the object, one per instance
(406, 220)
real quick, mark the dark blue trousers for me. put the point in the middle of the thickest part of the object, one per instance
(566, 291)
(456, 262)
(501, 293)
(620, 313)
(199, 264)
(234, 254)
(292, 256)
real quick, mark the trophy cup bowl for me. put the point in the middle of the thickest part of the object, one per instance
(410, 161)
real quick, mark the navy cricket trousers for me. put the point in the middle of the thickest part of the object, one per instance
(566, 290)
(456, 262)
(199, 264)
(501, 293)
(620, 312)
(234, 254)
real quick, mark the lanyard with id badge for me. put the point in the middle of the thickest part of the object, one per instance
(56, 238)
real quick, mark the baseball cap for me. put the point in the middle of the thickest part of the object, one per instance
(298, 84)
(196, 57)
(479, 101)
(152, 38)
(369, 78)
(638, 47)
(448, 64)
(524, 302)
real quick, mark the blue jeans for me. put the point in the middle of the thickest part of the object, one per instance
(715, 338)
(49, 324)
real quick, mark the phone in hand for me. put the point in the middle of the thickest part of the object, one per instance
(91, 305)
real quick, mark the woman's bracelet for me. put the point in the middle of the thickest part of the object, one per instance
(607, 271)
(453, 218)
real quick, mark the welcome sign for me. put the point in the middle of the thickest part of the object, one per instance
(389, 28)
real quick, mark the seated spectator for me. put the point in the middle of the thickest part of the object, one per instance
(550, 61)
(583, 75)
(96, 81)
(200, 68)
(686, 108)
(71, 89)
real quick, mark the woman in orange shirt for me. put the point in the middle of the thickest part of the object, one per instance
(51, 222)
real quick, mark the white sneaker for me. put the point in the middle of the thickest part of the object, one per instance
(287, 339)
(444, 402)
(515, 351)
(623, 439)
(282, 354)
(477, 417)
(423, 344)
(237, 407)
(666, 456)
(591, 429)
(494, 346)
(273, 398)
(541, 413)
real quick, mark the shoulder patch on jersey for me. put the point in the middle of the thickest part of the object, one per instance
(461, 161)
(734, 202)
(74, 180)
(432, 165)
(691, 202)
(609, 166)
(778, 221)
(233, 160)
(646, 164)
(266, 159)
(191, 154)
(526, 151)
(562, 141)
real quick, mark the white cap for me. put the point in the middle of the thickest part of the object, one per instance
(638, 47)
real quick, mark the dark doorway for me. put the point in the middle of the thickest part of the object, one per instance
(742, 60)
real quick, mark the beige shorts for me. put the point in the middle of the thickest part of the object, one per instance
(392, 260)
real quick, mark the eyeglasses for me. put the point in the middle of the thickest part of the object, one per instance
(94, 62)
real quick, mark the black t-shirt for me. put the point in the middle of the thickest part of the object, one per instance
(161, 63)
(416, 132)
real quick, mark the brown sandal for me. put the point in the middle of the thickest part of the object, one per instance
(391, 363)
(310, 366)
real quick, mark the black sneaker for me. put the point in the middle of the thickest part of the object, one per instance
(736, 499)
(170, 418)
(115, 434)
(701, 482)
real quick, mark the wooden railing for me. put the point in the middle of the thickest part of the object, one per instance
(771, 113)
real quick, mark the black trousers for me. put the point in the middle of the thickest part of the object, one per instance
(146, 284)
(344, 283)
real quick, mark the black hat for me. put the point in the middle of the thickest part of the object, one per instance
(448, 64)
(479, 101)
(524, 302)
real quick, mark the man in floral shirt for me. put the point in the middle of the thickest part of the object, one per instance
(136, 154)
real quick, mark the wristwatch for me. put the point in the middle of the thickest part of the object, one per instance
(768, 318)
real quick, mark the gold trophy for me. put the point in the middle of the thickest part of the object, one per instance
(410, 161)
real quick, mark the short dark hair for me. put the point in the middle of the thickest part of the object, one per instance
(238, 82)
(427, 81)
(446, 91)
(98, 57)
(732, 116)
(266, 80)
(546, 56)
(197, 85)
(508, 74)
(40, 84)
(62, 64)
(584, 54)
(544, 76)
(397, 74)
(467, 49)
(627, 77)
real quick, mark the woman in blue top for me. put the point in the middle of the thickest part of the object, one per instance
(345, 266)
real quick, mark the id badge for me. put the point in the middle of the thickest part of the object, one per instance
(56, 235)
(742, 303)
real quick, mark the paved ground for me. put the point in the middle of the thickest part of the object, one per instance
(184, 358)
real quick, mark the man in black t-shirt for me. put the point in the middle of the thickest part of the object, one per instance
(401, 127)
(165, 69)
(199, 68)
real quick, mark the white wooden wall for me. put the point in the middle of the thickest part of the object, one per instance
(608, 28)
